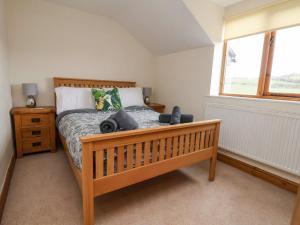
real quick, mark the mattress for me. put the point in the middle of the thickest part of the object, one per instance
(74, 124)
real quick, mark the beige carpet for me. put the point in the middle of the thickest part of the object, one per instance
(44, 192)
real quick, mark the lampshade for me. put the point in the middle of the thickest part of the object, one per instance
(30, 89)
(147, 91)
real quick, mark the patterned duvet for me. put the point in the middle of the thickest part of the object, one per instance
(74, 124)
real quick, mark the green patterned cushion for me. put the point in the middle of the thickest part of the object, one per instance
(107, 100)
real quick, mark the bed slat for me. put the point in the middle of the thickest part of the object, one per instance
(138, 160)
(207, 134)
(197, 143)
(175, 146)
(192, 144)
(129, 157)
(110, 161)
(202, 140)
(120, 159)
(181, 144)
(147, 153)
(155, 151)
(99, 164)
(162, 144)
(187, 143)
(169, 148)
(211, 138)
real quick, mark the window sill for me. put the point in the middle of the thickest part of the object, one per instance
(256, 99)
(255, 104)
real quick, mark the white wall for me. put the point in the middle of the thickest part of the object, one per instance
(47, 40)
(183, 79)
(6, 148)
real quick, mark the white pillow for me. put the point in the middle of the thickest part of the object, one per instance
(68, 98)
(131, 97)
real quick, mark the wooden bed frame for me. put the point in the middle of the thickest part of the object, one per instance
(165, 149)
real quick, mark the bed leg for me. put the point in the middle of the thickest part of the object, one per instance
(212, 169)
(213, 159)
(87, 184)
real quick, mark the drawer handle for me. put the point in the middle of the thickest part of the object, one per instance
(36, 120)
(36, 144)
(36, 132)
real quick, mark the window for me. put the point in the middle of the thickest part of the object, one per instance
(243, 65)
(285, 74)
(263, 65)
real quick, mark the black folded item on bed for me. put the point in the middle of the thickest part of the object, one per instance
(185, 118)
(125, 121)
(175, 116)
(118, 122)
(109, 125)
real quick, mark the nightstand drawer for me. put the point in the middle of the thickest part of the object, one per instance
(36, 145)
(31, 120)
(29, 133)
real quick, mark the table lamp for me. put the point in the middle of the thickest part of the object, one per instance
(30, 90)
(147, 92)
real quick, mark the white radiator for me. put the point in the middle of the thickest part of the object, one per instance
(268, 136)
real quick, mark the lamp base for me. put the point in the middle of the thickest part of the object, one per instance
(147, 100)
(30, 102)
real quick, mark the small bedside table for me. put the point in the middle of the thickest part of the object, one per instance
(157, 107)
(34, 129)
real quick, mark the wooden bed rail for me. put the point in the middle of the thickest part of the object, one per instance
(116, 160)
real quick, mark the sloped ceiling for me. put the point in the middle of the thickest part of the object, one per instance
(162, 26)
(225, 3)
(209, 15)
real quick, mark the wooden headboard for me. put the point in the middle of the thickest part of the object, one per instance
(71, 82)
(87, 83)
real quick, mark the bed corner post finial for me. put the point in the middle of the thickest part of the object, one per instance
(87, 183)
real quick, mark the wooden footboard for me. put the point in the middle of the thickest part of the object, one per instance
(116, 160)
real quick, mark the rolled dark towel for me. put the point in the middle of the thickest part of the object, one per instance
(185, 118)
(108, 126)
(164, 118)
(125, 121)
(175, 116)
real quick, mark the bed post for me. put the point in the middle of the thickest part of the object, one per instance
(87, 183)
(213, 160)
(296, 215)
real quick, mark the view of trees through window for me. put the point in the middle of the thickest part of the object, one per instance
(246, 71)
(243, 65)
(285, 75)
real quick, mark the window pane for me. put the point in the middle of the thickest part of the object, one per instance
(243, 64)
(285, 75)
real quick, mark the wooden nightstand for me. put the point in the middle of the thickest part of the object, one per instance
(34, 129)
(157, 107)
